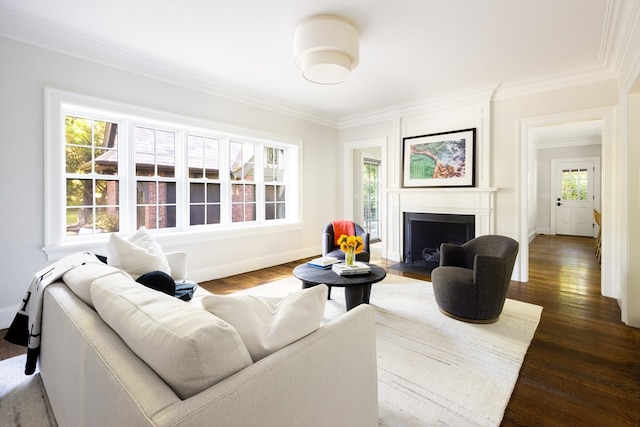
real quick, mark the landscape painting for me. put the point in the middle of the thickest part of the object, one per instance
(444, 159)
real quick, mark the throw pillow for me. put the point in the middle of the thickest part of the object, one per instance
(267, 324)
(137, 255)
(159, 281)
(189, 348)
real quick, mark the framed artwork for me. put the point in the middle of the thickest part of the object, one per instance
(445, 159)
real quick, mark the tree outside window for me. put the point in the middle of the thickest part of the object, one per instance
(92, 185)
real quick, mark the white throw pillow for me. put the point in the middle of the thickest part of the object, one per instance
(189, 348)
(267, 324)
(137, 255)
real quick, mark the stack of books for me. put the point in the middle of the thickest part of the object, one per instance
(350, 270)
(324, 262)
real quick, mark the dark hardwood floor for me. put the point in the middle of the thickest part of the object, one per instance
(583, 365)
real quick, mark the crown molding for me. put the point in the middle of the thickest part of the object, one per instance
(568, 142)
(621, 19)
(477, 96)
(549, 82)
(46, 36)
(500, 91)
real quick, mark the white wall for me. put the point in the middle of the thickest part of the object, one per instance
(26, 70)
(631, 282)
(630, 178)
(512, 118)
(508, 151)
(466, 112)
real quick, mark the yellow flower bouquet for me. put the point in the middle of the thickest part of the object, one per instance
(350, 245)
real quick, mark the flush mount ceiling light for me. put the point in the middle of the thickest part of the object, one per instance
(326, 48)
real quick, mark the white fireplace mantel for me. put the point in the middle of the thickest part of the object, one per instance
(459, 201)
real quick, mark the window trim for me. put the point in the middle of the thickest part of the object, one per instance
(58, 103)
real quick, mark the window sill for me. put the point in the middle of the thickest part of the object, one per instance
(176, 240)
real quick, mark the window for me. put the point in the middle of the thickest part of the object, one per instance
(242, 166)
(155, 166)
(121, 168)
(275, 187)
(575, 184)
(92, 182)
(203, 156)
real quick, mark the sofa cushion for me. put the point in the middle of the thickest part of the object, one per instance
(189, 348)
(267, 324)
(80, 278)
(137, 255)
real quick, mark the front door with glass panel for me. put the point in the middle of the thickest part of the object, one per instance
(574, 198)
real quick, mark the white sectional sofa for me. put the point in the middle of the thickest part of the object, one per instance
(93, 377)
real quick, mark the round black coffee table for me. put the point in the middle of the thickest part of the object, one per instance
(357, 288)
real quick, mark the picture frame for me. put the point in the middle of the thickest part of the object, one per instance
(445, 159)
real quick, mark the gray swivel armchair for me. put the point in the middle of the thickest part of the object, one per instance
(472, 280)
(329, 247)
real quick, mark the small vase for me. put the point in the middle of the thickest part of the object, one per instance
(350, 257)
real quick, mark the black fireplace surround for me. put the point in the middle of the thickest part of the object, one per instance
(425, 232)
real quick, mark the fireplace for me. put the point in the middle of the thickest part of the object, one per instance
(424, 232)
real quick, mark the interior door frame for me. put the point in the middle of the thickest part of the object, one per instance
(348, 191)
(371, 159)
(610, 242)
(554, 184)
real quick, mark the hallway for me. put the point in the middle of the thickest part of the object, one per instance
(583, 365)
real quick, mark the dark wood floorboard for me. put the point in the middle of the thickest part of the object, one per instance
(583, 364)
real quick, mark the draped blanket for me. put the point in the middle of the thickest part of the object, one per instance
(343, 227)
(25, 328)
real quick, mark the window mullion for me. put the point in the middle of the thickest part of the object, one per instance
(182, 181)
(128, 183)
(258, 177)
(225, 182)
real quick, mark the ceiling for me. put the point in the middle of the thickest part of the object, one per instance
(410, 51)
(568, 134)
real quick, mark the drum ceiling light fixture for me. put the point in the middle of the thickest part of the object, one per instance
(326, 49)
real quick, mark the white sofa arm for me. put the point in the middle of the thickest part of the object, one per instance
(178, 264)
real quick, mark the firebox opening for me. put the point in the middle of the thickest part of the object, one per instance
(425, 232)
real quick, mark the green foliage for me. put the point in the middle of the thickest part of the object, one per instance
(81, 136)
(574, 185)
(107, 222)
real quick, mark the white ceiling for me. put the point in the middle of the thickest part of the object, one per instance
(410, 51)
(568, 134)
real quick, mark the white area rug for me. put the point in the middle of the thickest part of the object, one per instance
(23, 400)
(434, 370)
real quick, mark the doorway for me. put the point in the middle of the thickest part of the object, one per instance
(354, 155)
(575, 189)
(530, 206)
(371, 197)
